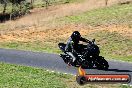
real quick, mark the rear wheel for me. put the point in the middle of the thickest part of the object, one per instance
(101, 63)
(87, 64)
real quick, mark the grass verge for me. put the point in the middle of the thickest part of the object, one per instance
(28, 77)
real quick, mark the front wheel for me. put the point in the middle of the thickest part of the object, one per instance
(101, 63)
(66, 58)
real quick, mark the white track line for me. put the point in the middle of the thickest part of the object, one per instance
(52, 71)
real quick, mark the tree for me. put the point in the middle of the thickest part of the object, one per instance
(32, 1)
(5, 5)
(19, 8)
(16, 3)
(47, 3)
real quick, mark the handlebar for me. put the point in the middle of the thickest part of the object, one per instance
(91, 42)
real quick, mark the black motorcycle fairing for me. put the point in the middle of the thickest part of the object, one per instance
(62, 46)
(80, 49)
(93, 50)
(101, 63)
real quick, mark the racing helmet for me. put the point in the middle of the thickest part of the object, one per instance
(75, 36)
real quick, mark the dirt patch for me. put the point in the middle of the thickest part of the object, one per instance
(123, 30)
(61, 34)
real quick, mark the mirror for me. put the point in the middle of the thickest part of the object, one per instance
(93, 40)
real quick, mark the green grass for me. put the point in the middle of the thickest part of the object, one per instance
(31, 46)
(15, 76)
(116, 14)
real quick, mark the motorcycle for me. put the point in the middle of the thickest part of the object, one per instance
(88, 56)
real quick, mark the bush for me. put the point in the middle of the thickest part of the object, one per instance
(20, 10)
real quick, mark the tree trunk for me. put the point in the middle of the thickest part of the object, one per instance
(47, 3)
(5, 5)
(106, 2)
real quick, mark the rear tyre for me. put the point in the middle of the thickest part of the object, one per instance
(87, 64)
(101, 63)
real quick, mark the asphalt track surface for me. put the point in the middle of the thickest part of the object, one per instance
(55, 63)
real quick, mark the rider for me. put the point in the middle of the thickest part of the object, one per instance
(72, 46)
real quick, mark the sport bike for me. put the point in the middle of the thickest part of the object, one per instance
(88, 56)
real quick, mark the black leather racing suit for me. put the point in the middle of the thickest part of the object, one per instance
(72, 47)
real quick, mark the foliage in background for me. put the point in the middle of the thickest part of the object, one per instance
(46, 3)
(13, 9)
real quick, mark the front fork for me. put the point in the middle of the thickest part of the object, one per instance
(65, 58)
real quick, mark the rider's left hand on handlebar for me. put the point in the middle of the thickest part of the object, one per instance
(88, 41)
